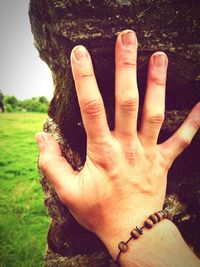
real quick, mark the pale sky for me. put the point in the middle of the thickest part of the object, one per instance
(22, 72)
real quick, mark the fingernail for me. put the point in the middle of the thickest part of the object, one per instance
(129, 39)
(80, 52)
(160, 60)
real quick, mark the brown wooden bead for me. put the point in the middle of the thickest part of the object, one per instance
(135, 234)
(159, 216)
(148, 223)
(153, 218)
(122, 246)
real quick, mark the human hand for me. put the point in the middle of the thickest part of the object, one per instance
(125, 174)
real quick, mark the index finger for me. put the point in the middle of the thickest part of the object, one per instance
(89, 97)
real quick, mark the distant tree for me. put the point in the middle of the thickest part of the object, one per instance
(11, 100)
(34, 104)
(43, 100)
(1, 102)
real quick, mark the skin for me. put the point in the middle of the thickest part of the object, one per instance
(125, 174)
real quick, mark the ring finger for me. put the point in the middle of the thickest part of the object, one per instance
(154, 103)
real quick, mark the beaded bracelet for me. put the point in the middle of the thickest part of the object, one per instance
(138, 231)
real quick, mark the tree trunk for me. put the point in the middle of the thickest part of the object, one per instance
(171, 26)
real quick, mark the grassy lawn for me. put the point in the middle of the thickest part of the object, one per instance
(23, 218)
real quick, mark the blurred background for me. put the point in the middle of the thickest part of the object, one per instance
(25, 90)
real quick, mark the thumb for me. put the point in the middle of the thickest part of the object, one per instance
(56, 168)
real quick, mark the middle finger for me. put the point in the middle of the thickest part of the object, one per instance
(126, 92)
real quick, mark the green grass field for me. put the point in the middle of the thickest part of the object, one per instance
(23, 218)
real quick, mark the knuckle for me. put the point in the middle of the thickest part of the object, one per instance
(150, 155)
(165, 164)
(129, 149)
(86, 76)
(130, 154)
(93, 107)
(195, 124)
(43, 164)
(184, 142)
(158, 80)
(104, 154)
(129, 105)
(129, 64)
(155, 118)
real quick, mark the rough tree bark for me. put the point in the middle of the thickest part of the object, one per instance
(171, 26)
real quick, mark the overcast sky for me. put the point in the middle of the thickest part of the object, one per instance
(22, 72)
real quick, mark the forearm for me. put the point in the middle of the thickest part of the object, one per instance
(160, 246)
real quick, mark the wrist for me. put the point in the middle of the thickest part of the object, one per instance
(118, 230)
(160, 246)
(153, 242)
(112, 238)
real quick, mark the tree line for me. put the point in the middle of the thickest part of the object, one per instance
(34, 104)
